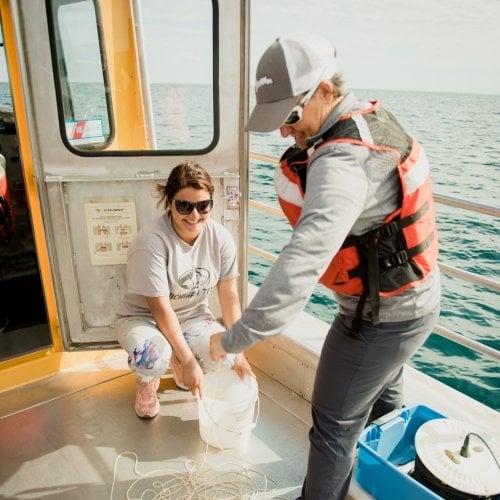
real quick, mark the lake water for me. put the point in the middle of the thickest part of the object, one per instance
(460, 133)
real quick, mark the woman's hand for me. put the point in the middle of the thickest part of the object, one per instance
(192, 376)
(217, 352)
(242, 367)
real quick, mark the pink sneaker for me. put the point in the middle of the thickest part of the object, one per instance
(146, 401)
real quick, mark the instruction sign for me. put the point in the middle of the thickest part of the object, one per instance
(111, 227)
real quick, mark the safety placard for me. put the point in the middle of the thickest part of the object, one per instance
(111, 227)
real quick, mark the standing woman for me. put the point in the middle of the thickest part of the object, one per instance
(173, 265)
(357, 189)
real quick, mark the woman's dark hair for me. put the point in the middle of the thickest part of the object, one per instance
(187, 174)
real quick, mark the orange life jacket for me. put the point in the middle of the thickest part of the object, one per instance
(400, 253)
(7, 214)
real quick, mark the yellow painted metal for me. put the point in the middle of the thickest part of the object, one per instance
(130, 133)
(44, 364)
(32, 197)
(124, 75)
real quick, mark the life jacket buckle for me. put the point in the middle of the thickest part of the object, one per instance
(400, 258)
(389, 229)
(397, 259)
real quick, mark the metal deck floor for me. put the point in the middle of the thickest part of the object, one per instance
(61, 438)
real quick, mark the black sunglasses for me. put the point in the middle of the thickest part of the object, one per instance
(295, 114)
(186, 207)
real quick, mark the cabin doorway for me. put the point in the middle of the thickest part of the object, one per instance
(23, 318)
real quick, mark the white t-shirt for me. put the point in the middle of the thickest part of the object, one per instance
(160, 264)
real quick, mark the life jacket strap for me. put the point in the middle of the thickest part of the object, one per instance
(371, 287)
(374, 279)
(356, 322)
(371, 278)
(402, 257)
(391, 228)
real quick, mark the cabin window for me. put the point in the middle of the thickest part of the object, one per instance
(136, 76)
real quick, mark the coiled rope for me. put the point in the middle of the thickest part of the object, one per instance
(227, 481)
(199, 482)
(424, 476)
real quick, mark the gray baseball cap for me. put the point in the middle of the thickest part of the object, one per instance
(292, 65)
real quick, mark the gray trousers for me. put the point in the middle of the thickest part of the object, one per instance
(359, 378)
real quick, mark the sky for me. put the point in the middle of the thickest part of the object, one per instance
(429, 45)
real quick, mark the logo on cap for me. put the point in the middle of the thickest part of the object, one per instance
(265, 80)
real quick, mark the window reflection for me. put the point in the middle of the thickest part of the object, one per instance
(136, 75)
(82, 88)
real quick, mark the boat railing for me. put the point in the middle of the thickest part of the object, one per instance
(447, 269)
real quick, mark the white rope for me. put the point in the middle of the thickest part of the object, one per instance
(199, 483)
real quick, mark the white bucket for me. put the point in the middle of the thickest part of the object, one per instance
(229, 409)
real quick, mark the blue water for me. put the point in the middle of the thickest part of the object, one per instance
(460, 133)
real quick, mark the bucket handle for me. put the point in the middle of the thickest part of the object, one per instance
(253, 423)
(248, 427)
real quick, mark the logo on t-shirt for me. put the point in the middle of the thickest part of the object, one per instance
(194, 278)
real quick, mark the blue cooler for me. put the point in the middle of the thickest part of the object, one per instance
(384, 445)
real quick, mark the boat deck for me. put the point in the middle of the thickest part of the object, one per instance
(63, 438)
(75, 435)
